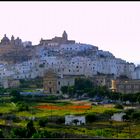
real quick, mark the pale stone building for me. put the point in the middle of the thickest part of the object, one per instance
(52, 81)
(70, 120)
(126, 86)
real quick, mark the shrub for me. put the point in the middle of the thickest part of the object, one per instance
(129, 111)
(107, 114)
(91, 117)
(135, 115)
(118, 106)
(60, 120)
(125, 117)
(41, 134)
(42, 122)
(22, 106)
(30, 129)
(18, 133)
(1, 134)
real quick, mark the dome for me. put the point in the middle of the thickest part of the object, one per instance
(5, 39)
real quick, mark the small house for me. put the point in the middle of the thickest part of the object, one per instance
(118, 116)
(74, 120)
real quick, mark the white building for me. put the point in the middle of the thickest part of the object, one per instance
(118, 116)
(77, 47)
(136, 73)
(27, 44)
(74, 120)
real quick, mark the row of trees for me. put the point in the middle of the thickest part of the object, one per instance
(85, 86)
(30, 131)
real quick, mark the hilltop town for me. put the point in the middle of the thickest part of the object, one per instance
(63, 89)
(68, 59)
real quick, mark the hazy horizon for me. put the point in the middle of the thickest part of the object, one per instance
(112, 26)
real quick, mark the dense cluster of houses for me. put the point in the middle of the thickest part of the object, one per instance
(68, 59)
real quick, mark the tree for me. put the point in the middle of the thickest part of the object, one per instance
(108, 113)
(92, 93)
(21, 106)
(18, 133)
(138, 99)
(30, 129)
(136, 115)
(129, 112)
(42, 134)
(125, 117)
(64, 89)
(83, 83)
(91, 117)
(71, 90)
(60, 120)
(2, 90)
(16, 95)
(1, 134)
(43, 122)
(118, 106)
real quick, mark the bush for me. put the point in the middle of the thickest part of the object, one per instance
(129, 111)
(16, 120)
(42, 122)
(1, 134)
(118, 106)
(18, 133)
(60, 120)
(125, 117)
(16, 95)
(136, 116)
(91, 117)
(30, 129)
(22, 106)
(41, 134)
(108, 113)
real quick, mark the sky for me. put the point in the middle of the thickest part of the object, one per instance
(112, 26)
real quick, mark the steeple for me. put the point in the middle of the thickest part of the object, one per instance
(12, 38)
(65, 36)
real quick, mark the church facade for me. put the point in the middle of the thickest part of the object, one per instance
(56, 41)
(52, 82)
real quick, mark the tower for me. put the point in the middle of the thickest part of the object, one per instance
(113, 88)
(12, 40)
(65, 36)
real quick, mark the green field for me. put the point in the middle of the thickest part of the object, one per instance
(102, 129)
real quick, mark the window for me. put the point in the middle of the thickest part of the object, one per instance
(50, 90)
(136, 86)
(128, 86)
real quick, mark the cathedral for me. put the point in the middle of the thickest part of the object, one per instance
(56, 41)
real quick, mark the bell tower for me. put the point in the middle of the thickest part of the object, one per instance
(65, 36)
